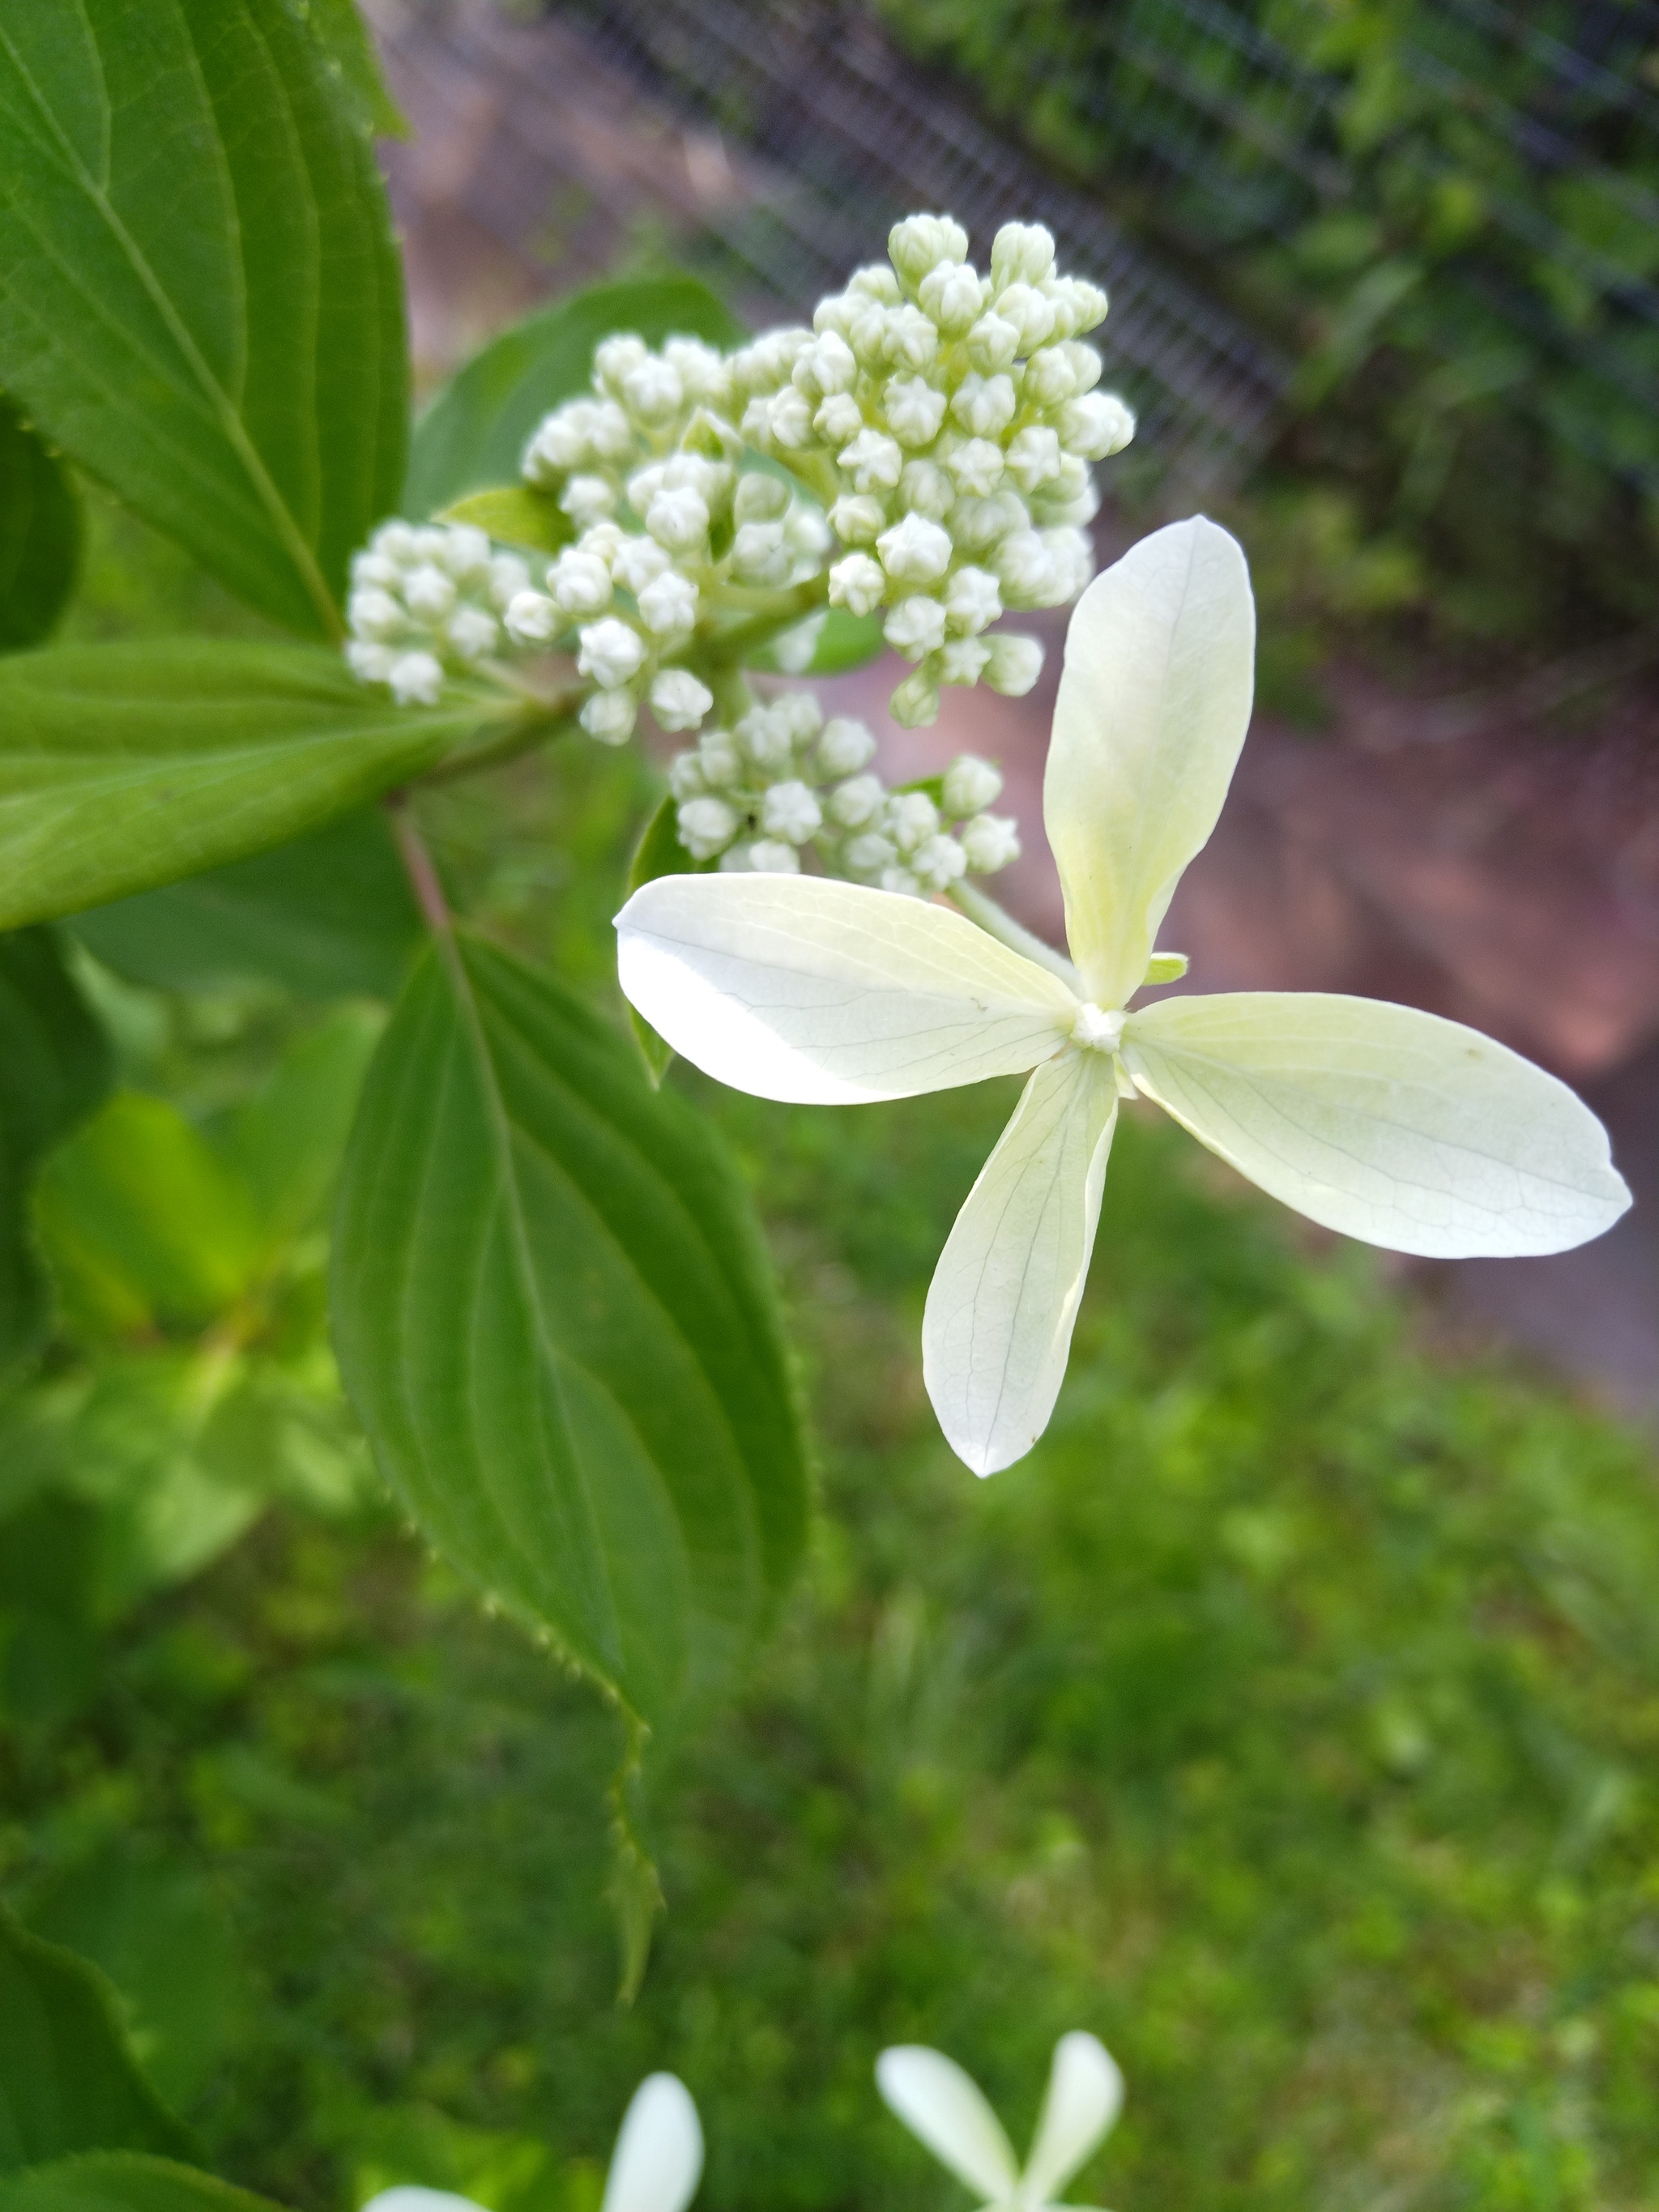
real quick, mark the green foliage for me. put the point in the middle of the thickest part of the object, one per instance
(846, 641)
(105, 2181)
(659, 853)
(348, 51)
(516, 514)
(472, 437)
(327, 916)
(67, 2081)
(39, 535)
(242, 382)
(1445, 216)
(129, 765)
(556, 1325)
(54, 1068)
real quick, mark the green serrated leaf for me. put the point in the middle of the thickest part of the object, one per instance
(846, 641)
(555, 1320)
(475, 431)
(515, 515)
(339, 29)
(39, 535)
(201, 301)
(659, 853)
(54, 1067)
(288, 1141)
(67, 2081)
(123, 2181)
(329, 916)
(127, 766)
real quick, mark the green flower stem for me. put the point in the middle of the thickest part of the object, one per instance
(418, 867)
(980, 908)
(546, 716)
(778, 611)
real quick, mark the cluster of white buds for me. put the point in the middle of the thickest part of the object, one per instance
(426, 600)
(783, 779)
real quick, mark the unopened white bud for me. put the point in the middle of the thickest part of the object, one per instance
(374, 614)
(806, 533)
(1025, 570)
(791, 811)
(579, 583)
(1096, 425)
(921, 242)
(970, 785)
(610, 654)
(653, 393)
(1086, 365)
(915, 702)
(839, 419)
(900, 881)
(857, 518)
(719, 757)
(972, 602)
(857, 801)
(465, 552)
(992, 345)
(1034, 458)
(1050, 378)
(951, 297)
(962, 660)
(668, 606)
(1015, 665)
(789, 419)
(370, 663)
(915, 550)
(768, 739)
(395, 542)
(984, 405)
(875, 281)
(678, 520)
(845, 747)
(874, 462)
(976, 465)
(825, 367)
(857, 584)
(1074, 559)
(926, 490)
(795, 649)
(473, 633)
(770, 856)
(638, 562)
(799, 713)
(417, 680)
(685, 777)
(990, 841)
(909, 340)
(605, 540)
(679, 701)
(869, 854)
(1021, 254)
(1078, 305)
(914, 410)
(759, 554)
(707, 826)
(616, 357)
(760, 498)
(1030, 313)
(910, 820)
(374, 572)
(608, 717)
(939, 863)
(588, 500)
(915, 627)
(429, 594)
(702, 371)
(980, 524)
(532, 618)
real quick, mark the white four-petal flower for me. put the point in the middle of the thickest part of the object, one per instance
(945, 2109)
(655, 2166)
(1388, 1124)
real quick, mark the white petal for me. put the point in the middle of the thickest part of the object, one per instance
(946, 2109)
(1085, 2095)
(1153, 706)
(409, 2197)
(1385, 1123)
(657, 2160)
(826, 993)
(1004, 1297)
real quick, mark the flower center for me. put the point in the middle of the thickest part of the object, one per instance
(1095, 1030)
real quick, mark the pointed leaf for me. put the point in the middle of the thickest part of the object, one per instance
(1383, 1122)
(945, 2108)
(657, 2160)
(1153, 706)
(201, 300)
(330, 916)
(515, 515)
(126, 766)
(997, 1329)
(348, 50)
(805, 988)
(67, 2081)
(474, 433)
(123, 2181)
(1083, 2097)
(39, 535)
(555, 1319)
(55, 1066)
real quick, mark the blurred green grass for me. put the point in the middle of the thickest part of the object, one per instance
(1288, 1718)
